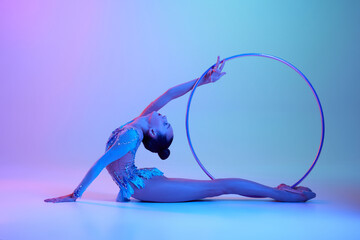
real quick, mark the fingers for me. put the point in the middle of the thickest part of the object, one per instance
(222, 65)
(214, 72)
(216, 66)
(59, 199)
(217, 62)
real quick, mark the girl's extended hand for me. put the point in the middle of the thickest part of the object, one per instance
(297, 194)
(215, 73)
(66, 198)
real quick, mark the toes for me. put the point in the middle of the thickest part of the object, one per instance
(310, 195)
(301, 188)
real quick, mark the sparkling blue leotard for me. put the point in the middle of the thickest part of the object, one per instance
(123, 171)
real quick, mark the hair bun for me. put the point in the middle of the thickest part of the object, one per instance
(164, 154)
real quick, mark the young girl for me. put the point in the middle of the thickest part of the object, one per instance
(150, 184)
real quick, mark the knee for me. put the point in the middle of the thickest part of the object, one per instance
(121, 198)
(224, 186)
(219, 188)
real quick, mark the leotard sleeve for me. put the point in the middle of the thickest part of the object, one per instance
(129, 138)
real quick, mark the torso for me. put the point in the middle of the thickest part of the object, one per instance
(123, 171)
(125, 165)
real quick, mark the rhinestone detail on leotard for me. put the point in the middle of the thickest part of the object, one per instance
(123, 171)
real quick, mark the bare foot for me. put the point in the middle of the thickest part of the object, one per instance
(297, 194)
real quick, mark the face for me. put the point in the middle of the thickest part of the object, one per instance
(160, 125)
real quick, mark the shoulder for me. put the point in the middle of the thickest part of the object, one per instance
(129, 134)
(127, 139)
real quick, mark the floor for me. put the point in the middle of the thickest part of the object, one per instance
(333, 214)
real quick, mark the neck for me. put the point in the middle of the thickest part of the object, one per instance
(141, 123)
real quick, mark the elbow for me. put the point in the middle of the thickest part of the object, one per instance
(171, 94)
(170, 91)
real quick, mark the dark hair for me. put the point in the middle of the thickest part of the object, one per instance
(159, 145)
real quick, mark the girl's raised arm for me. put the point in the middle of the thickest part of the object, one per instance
(181, 89)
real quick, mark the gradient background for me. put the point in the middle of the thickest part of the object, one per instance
(73, 71)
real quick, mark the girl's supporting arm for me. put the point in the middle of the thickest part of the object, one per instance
(121, 146)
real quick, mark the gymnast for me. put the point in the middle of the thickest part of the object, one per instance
(150, 184)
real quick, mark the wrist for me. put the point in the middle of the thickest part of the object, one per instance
(202, 82)
(77, 192)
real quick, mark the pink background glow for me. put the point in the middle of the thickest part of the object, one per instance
(73, 71)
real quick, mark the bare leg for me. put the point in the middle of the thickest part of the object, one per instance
(163, 189)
